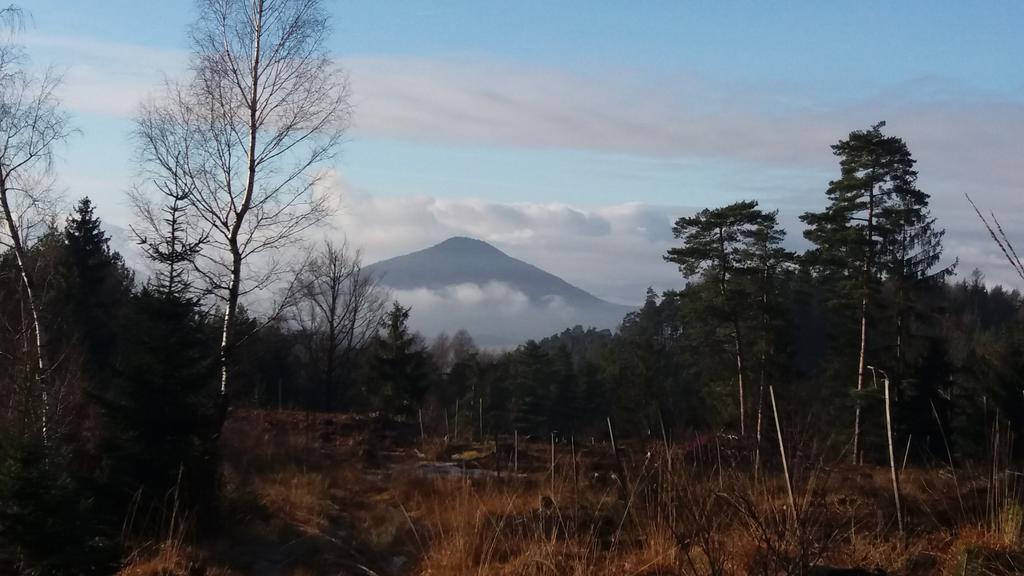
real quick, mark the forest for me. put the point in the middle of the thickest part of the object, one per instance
(144, 407)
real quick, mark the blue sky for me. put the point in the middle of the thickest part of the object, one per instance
(626, 111)
(860, 45)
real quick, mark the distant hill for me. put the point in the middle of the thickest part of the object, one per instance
(467, 283)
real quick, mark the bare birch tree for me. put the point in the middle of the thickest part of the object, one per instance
(32, 123)
(340, 307)
(250, 134)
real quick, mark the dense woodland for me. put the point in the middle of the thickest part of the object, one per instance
(116, 383)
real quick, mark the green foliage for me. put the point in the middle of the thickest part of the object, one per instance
(161, 415)
(732, 256)
(159, 412)
(875, 198)
(715, 239)
(46, 525)
(268, 372)
(99, 282)
(532, 375)
(400, 368)
(875, 250)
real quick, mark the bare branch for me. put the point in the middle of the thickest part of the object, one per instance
(248, 138)
(1000, 238)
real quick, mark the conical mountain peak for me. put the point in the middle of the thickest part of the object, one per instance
(468, 283)
(468, 246)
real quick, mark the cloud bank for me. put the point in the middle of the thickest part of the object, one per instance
(496, 313)
(957, 133)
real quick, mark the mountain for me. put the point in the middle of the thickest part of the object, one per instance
(467, 283)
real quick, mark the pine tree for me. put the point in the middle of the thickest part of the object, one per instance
(100, 282)
(909, 254)
(161, 414)
(47, 521)
(648, 372)
(566, 406)
(716, 242)
(47, 527)
(765, 260)
(495, 384)
(531, 378)
(168, 240)
(875, 219)
(400, 367)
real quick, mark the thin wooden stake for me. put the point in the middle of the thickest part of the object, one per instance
(618, 462)
(718, 462)
(782, 453)
(757, 433)
(515, 451)
(575, 475)
(892, 455)
(552, 465)
(423, 437)
(993, 481)
(664, 440)
(497, 454)
(906, 453)
(949, 456)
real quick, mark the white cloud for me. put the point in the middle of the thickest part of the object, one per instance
(483, 101)
(477, 102)
(497, 297)
(102, 77)
(494, 312)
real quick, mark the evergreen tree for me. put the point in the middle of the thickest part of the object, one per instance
(495, 385)
(47, 520)
(161, 415)
(766, 260)
(100, 283)
(566, 407)
(717, 243)
(531, 378)
(47, 527)
(400, 366)
(160, 411)
(873, 203)
(166, 239)
(908, 257)
(649, 372)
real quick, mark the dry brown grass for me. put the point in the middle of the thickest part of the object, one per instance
(316, 508)
(296, 496)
